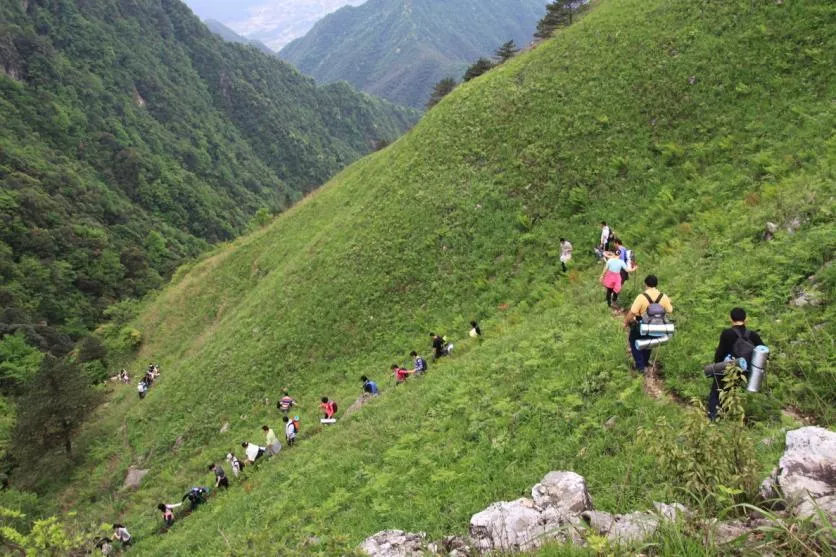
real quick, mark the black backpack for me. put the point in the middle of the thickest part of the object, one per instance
(655, 313)
(743, 346)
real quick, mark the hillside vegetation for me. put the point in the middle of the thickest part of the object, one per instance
(688, 125)
(398, 49)
(131, 137)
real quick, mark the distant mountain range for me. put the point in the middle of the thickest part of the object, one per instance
(231, 36)
(398, 49)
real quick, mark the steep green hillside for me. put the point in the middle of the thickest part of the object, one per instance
(687, 125)
(398, 49)
(131, 137)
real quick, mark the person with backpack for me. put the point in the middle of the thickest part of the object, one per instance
(286, 402)
(737, 344)
(624, 255)
(220, 476)
(329, 408)
(253, 451)
(652, 307)
(401, 374)
(475, 330)
(196, 497)
(419, 363)
(271, 440)
(291, 428)
(236, 464)
(611, 278)
(440, 346)
(369, 386)
(121, 534)
(606, 234)
(168, 513)
(565, 253)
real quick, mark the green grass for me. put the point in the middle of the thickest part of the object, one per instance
(459, 220)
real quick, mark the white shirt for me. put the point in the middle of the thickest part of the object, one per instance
(122, 535)
(565, 249)
(252, 451)
(290, 431)
(605, 235)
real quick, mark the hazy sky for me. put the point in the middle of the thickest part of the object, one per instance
(274, 22)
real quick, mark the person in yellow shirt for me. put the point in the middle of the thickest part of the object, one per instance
(650, 297)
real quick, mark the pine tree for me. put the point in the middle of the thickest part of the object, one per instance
(441, 90)
(57, 400)
(479, 67)
(506, 51)
(559, 13)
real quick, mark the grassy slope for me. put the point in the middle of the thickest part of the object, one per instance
(600, 123)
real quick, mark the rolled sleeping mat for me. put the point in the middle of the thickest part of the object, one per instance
(760, 358)
(328, 421)
(656, 330)
(648, 343)
(712, 370)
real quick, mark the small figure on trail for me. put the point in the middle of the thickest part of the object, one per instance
(286, 402)
(400, 373)
(624, 255)
(565, 253)
(142, 388)
(220, 476)
(329, 408)
(369, 386)
(121, 534)
(475, 331)
(168, 513)
(440, 346)
(124, 377)
(611, 278)
(196, 496)
(648, 307)
(737, 345)
(419, 363)
(272, 442)
(291, 429)
(253, 451)
(236, 464)
(606, 235)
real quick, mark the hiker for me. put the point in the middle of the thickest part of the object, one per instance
(196, 496)
(440, 346)
(272, 442)
(737, 344)
(286, 402)
(142, 388)
(291, 428)
(606, 234)
(220, 476)
(168, 513)
(400, 373)
(121, 534)
(236, 464)
(104, 546)
(624, 255)
(419, 363)
(565, 253)
(329, 407)
(253, 451)
(650, 305)
(475, 331)
(369, 386)
(611, 278)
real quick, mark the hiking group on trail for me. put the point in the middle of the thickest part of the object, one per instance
(647, 321)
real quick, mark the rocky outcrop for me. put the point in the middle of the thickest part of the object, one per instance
(806, 474)
(134, 477)
(396, 543)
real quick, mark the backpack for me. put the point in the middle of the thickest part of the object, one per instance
(743, 346)
(655, 314)
(295, 423)
(334, 406)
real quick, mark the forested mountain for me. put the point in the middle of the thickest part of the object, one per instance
(231, 36)
(398, 49)
(131, 136)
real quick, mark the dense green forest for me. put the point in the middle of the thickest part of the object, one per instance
(703, 132)
(398, 49)
(132, 137)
